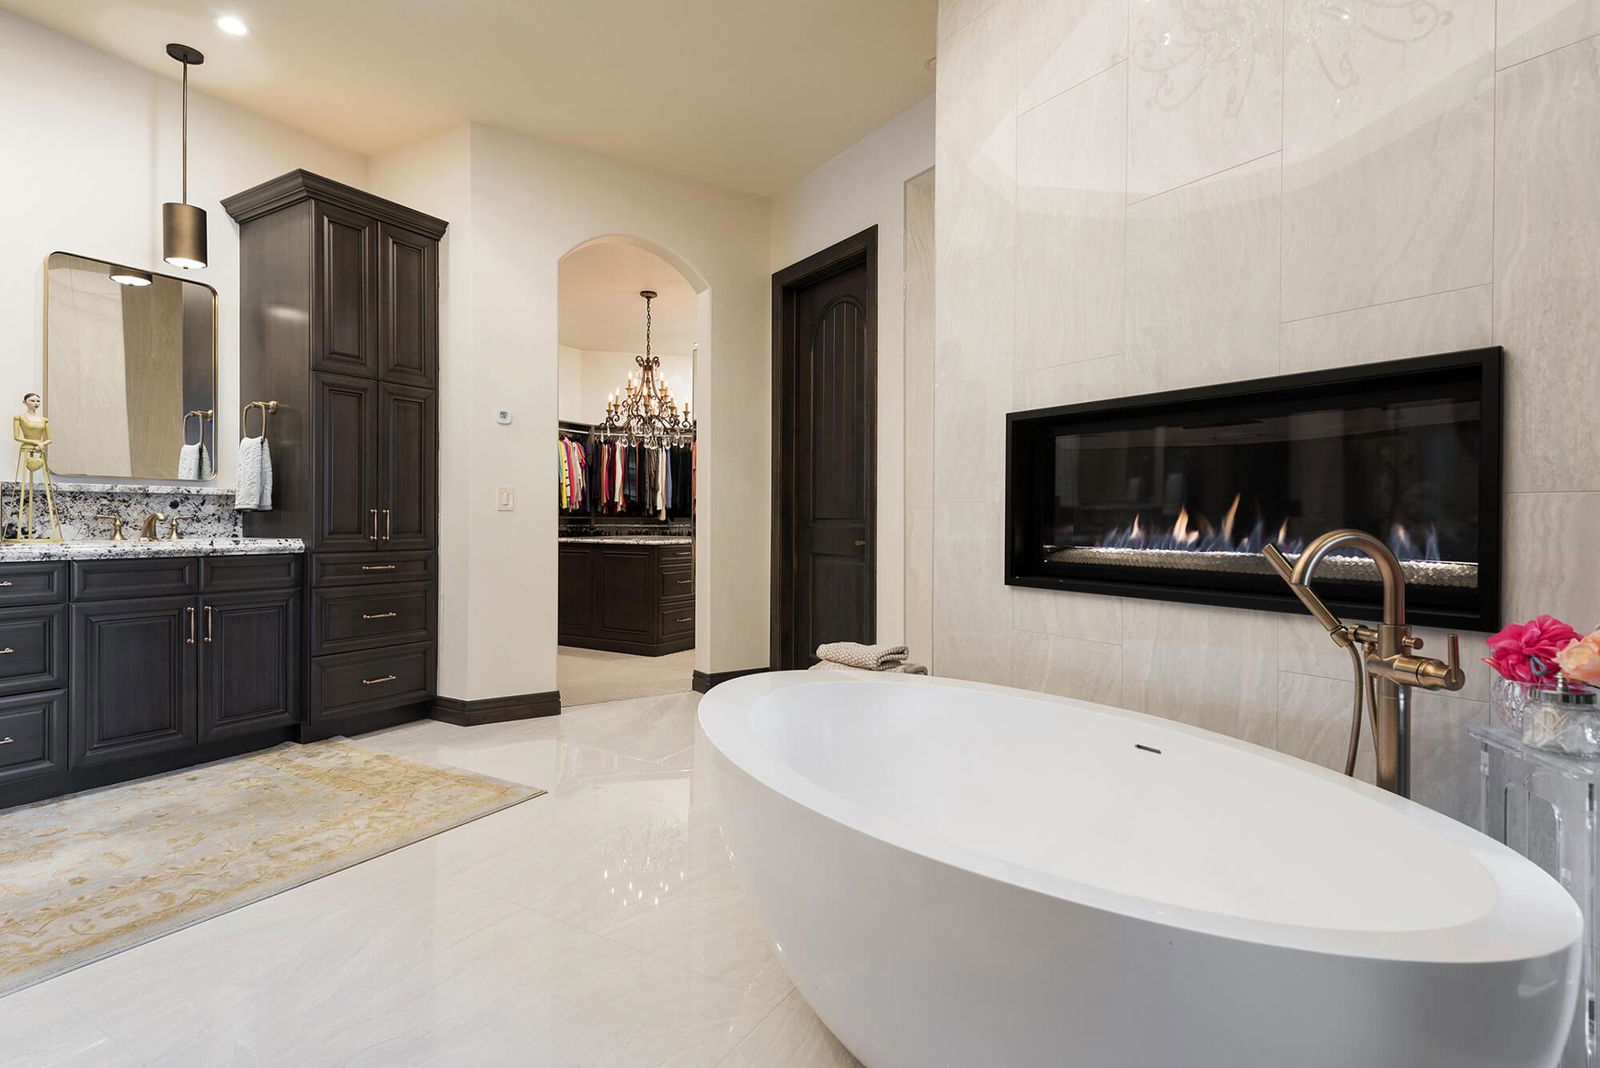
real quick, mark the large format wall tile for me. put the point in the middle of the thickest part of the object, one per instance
(1204, 89)
(1071, 217)
(1547, 267)
(1444, 757)
(975, 146)
(1203, 280)
(920, 365)
(919, 583)
(1313, 723)
(1387, 156)
(972, 391)
(1070, 667)
(955, 14)
(971, 603)
(1529, 28)
(1550, 557)
(1063, 42)
(1443, 322)
(1068, 614)
(1210, 667)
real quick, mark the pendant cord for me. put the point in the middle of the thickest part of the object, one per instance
(186, 132)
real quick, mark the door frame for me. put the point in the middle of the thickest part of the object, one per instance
(857, 250)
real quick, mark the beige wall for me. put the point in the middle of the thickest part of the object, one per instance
(1107, 226)
(523, 205)
(91, 144)
(861, 187)
(919, 322)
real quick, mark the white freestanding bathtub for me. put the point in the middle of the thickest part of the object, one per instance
(966, 875)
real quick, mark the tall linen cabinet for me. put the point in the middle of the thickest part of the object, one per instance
(339, 323)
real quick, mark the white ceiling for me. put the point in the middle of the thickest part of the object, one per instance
(747, 94)
(600, 306)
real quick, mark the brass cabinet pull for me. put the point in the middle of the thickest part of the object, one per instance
(379, 615)
(7, 740)
(686, 582)
(860, 542)
(381, 678)
(190, 610)
(686, 619)
(388, 524)
(6, 583)
(208, 624)
(374, 512)
(377, 567)
(7, 651)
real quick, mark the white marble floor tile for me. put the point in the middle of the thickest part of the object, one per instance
(498, 942)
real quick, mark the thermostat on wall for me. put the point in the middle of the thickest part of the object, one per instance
(503, 417)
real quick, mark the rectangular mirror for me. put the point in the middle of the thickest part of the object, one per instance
(130, 372)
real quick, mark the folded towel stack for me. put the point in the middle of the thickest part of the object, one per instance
(853, 656)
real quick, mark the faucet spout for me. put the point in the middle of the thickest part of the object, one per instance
(1394, 580)
(1330, 622)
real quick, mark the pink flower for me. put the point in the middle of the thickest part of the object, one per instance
(1526, 652)
(1581, 660)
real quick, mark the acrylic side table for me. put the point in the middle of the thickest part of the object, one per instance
(1542, 805)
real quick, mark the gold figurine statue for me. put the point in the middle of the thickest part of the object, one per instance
(31, 431)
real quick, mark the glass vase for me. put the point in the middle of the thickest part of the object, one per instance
(1508, 702)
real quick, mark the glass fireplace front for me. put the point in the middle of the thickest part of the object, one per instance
(1173, 495)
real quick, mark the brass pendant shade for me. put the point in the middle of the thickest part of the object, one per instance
(183, 230)
(183, 226)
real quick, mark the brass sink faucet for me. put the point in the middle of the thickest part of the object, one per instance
(147, 531)
(1386, 662)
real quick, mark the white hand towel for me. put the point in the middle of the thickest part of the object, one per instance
(255, 476)
(208, 468)
(189, 461)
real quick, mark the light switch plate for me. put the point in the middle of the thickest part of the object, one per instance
(505, 499)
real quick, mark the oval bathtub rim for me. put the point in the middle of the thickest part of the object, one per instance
(1532, 916)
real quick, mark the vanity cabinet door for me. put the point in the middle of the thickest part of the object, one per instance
(345, 327)
(249, 657)
(346, 506)
(133, 669)
(408, 479)
(408, 287)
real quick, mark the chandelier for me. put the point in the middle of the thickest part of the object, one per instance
(645, 411)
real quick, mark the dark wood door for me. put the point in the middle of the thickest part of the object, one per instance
(624, 605)
(249, 657)
(345, 323)
(408, 472)
(346, 477)
(408, 307)
(826, 451)
(133, 678)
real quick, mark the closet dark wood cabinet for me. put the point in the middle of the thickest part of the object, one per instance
(626, 598)
(340, 325)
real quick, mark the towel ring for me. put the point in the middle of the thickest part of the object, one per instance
(267, 408)
(202, 415)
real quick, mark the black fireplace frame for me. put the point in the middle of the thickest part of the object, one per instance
(1027, 494)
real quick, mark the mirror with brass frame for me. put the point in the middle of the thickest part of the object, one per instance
(130, 371)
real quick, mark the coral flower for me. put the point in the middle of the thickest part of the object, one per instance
(1581, 659)
(1526, 652)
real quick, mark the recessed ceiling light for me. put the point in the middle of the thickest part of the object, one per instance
(232, 25)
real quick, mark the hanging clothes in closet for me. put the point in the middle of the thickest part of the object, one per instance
(648, 481)
(572, 474)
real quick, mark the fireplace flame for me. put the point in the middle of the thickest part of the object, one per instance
(1195, 533)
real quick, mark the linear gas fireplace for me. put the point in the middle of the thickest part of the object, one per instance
(1172, 495)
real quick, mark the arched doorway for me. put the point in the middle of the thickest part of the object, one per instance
(626, 488)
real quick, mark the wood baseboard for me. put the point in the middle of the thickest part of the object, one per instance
(496, 709)
(704, 680)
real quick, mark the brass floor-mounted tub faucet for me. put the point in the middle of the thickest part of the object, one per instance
(1385, 667)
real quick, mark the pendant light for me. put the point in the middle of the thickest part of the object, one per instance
(130, 276)
(645, 412)
(183, 226)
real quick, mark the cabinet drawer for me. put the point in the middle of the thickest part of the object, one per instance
(229, 573)
(33, 583)
(366, 617)
(33, 648)
(352, 683)
(349, 569)
(677, 583)
(98, 580)
(676, 555)
(676, 622)
(33, 735)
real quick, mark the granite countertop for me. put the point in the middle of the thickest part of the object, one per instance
(625, 539)
(113, 550)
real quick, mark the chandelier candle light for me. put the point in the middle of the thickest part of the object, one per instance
(645, 411)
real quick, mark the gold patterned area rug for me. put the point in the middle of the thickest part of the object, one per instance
(86, 876)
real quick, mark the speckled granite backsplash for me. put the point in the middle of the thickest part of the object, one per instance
(204, 511)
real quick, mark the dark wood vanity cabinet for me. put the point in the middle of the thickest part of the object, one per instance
(626, 597)
(145, 664)
(339, 323)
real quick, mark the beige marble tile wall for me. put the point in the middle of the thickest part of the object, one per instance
(918, 274)
(1136, 195)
